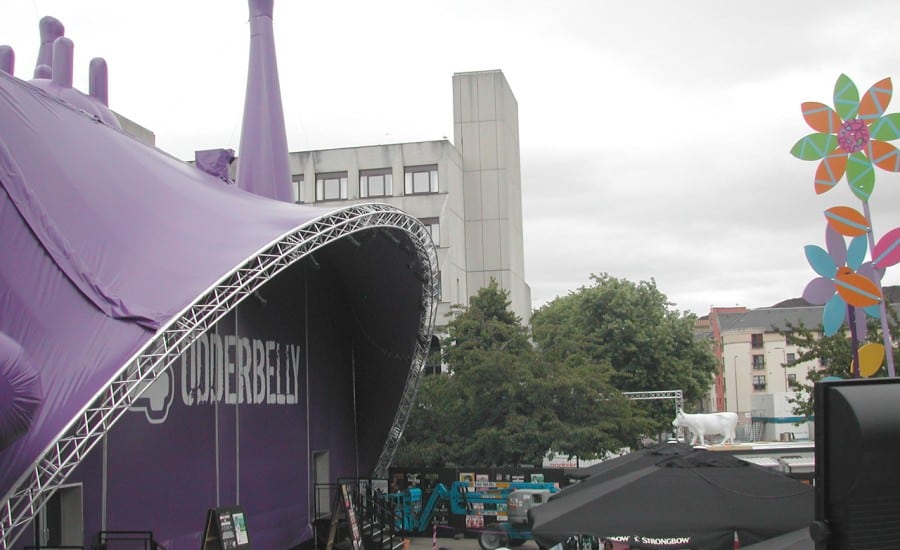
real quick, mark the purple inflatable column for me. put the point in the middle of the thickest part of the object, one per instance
(50, 29)
(63, 57)
(98, 80)
(263, 166)
(7, 60)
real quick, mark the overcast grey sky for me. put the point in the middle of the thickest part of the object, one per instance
(655, 135)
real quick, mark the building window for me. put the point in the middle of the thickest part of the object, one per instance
(759, 382)
(421, 179)
(790, 358)
(787, 337)
(756, 340)
(792, 380)
(434, 229)
(759, 362)
(331, 186)
(376, 183)
(297, 179)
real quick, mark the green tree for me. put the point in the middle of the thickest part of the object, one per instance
(630, 328)
(590, 417)
(500, 403)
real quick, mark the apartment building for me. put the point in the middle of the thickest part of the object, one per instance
(753, 380)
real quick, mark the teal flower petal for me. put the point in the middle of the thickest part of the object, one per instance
(820, 261)
(860, 176)
(833, 314)
(814, 146)
(886, 128)
(873, 311)
(856, 252)
(846, 98)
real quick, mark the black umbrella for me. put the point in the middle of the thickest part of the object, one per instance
(696, 500)
(627, 463)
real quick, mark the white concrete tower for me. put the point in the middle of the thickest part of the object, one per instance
(486, 131)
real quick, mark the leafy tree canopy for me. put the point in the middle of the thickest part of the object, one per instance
(629, 327)
(502, 403)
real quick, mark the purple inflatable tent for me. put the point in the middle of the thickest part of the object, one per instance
(169, 341)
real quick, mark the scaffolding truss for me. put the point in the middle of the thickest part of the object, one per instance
(82, 434)
(676, 395)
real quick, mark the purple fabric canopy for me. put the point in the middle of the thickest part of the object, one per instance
(104, 241)
(79, 204)
(20, 391)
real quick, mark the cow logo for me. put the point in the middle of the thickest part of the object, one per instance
(156, 397)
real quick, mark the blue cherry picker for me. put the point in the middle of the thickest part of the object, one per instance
(510, 500)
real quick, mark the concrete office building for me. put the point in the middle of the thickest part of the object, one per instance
(469, 193)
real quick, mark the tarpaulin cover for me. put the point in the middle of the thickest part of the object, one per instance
(695, 500)
(105, 241)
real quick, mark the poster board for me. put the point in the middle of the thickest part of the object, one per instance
(226, 529)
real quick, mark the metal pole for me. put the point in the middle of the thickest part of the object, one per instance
(737, 389)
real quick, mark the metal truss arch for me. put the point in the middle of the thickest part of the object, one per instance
(48, 473)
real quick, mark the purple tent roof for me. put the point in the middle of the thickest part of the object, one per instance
(117, 256)
(20, 391)
(58, 188)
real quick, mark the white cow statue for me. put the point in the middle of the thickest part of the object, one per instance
(701, 425)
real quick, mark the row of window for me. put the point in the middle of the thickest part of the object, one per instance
(759, 381)
(332, 186)
(759, 361)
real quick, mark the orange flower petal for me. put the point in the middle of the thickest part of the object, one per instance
(884, 155)
(847, 221)
(821, 117)
(830, 170)
(875, 102)
(856, 290)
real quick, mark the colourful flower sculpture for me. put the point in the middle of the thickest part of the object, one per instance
(844, 280)
(851, 138)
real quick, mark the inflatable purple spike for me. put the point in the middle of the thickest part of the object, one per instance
(50, 29)
(263, 166)
(7, 60)
(63, 58)
(98, 82)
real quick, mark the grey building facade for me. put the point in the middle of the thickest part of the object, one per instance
(469, 193)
